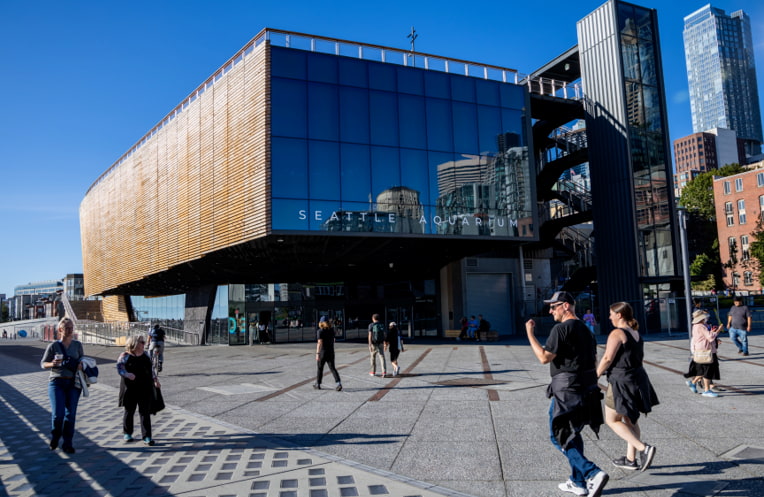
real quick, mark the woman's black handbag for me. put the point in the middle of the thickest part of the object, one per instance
(157, 404)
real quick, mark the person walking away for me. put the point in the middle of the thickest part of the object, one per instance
(703, 340)
(377, 335)
(136, 388)
(483, 327)
(589, 320)
(394, 346)
(739, 325)
(63, 358)
(463, 329)
(325, 353)
(156, 344)
(570, 351)
(629, 391)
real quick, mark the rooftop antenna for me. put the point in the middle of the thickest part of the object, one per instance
(413, 37)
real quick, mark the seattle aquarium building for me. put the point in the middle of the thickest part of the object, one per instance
(312, 176)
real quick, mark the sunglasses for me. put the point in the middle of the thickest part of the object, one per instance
(554, 306)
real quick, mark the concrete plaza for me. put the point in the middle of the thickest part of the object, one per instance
(461, 419)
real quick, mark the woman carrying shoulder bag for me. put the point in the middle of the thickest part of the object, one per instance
(136, 388)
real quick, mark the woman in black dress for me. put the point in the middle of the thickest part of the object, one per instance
(629, 391)
(136, 388)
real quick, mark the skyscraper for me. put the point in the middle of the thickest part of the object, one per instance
(722, 74)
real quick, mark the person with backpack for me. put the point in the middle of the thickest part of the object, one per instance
(377, 341)
(156, 344)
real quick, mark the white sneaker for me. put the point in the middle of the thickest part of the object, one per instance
(596, 483)
(571, 487)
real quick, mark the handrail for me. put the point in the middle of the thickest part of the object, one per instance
(542, 86)
(68, 307)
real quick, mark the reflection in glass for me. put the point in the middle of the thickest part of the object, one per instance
(444, 155)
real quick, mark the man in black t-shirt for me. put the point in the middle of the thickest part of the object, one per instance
(325, 353)
(571, 352)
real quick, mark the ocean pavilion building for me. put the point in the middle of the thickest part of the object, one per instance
(312, 176)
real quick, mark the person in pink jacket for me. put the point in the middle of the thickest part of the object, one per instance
(703, 338)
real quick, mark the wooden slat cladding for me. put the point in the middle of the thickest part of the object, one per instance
(199, 184)
(114, 308)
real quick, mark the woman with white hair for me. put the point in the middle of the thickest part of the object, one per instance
(704, 367)
(136, 390)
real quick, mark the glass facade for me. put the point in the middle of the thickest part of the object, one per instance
(168, 311)
(361, 146)
(645, 114)
(721, 72)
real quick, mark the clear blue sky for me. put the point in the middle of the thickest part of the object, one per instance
(83, 80)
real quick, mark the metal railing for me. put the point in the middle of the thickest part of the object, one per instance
(115, 333)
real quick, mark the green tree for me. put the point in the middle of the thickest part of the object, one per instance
(756, 247)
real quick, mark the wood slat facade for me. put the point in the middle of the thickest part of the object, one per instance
(199, 183)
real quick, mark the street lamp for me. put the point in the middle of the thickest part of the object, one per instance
(682, 213)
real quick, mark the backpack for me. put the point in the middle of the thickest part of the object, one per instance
(378, 334)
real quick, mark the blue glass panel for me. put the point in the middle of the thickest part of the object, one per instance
(463, 88)
(323, 120)
(353, 72)
(444, 180)
(410, 81)
(439, 129)
(324, 175)
(290, 214)
(358, 217)
(383, 116)
(355, 173)
(354, 115)
(436, 84)
(487, 92)
(465, 127)
(489, 128)
(325, 216)
(287, 63)
(289, 104)
(385, 169)
(513, 121)
(289, 168)
(512, 96)
(647, 62)
(652, 105)
(322, 68)
(414, 173)
(382, 76)
(413, 127)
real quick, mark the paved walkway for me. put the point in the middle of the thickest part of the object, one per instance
(463, 419)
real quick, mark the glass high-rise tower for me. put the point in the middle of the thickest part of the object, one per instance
(722, 74)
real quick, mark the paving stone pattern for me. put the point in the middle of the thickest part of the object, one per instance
(196, 456)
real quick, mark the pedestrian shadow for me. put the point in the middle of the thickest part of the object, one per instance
(45, 470)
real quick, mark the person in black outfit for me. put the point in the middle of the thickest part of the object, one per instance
(483, 327)
(394, 346)
(630, 391)
(325, 353)
(136, 388)
(571, 352)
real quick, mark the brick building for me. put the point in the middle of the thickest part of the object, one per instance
(739, 202)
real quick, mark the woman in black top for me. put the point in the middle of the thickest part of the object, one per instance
(136, 388)
(394, 346)
(629, 391)
(325, 353)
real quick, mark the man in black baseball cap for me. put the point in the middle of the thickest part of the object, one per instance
(561, 296)
(571, 352)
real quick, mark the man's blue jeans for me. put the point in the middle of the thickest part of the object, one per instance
(64, 397)
(581, 467)
(740, 339)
